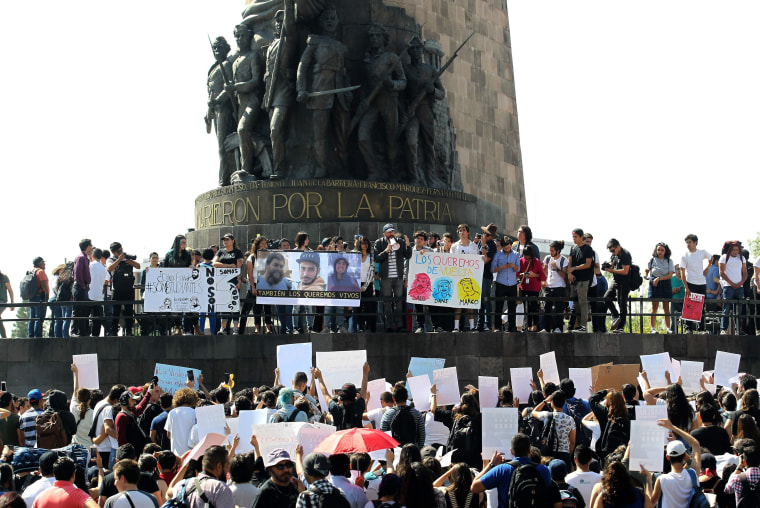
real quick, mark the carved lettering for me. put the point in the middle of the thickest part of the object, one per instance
(364, 205)
(303, 205)
(446, 211)
(311, 204)
(225, 206)
(391, 208)
(275, 207)
(431, 211)
(340, 208)
(406, 207)
(254, 211)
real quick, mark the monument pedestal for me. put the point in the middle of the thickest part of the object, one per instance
(327, 207)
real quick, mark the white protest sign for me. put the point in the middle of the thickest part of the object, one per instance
(323, 404)
(521, 379)
(488, 391)
(341, 367)
(646, 446)
(171, 377)
(655, 366)
(292, 358)
(87, 365)
(499, 425)
(375, 388)
(261, 416)
(245, 430)
(726, 367)
(582, 380)
(277, 435)
(445, 460)
(652, 414)
(447, 384)
(549, 367)
(445, 280)
(232, 424)
(691, 373)
(419, 389)
(310, 435)
(675, 370)
(210, 419)
(175, 290)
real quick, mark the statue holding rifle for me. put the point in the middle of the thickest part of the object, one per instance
(222, 114)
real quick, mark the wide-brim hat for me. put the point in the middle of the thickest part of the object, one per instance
(491, 229)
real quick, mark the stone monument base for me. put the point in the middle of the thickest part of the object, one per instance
(326, 207)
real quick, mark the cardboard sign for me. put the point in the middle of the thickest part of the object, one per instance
(445, 280)
(521, 378)
(292, 358)
(171, 378)
(548, 363)
(488, 391)
(447, 384)
(614, 376)
(341, 367)
(499, 425)
(692, 307)
(87, 366)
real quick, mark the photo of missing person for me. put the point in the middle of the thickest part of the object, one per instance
(341, 279)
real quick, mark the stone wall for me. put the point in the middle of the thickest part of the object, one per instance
(45, 363)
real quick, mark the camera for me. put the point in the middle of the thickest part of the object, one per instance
(131, 257)
(441, 243)
(606, 265)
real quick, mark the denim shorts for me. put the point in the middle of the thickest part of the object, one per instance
(663, 289)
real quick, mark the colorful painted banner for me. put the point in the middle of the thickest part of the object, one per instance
(445, 280)
(308, 278)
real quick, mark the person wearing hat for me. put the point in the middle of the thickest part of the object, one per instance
(127, 429)
(390, 253)
(278, 491)
(308, 270)
(558, 470)
(37, 312)
(47, 460)
(488, 250)
(675, 487)
(316, 468)
(230, 257)
(26, 425)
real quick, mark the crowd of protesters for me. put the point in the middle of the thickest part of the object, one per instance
(522, 289)
(130, 447)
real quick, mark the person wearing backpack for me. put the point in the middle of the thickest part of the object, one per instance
(406, 424)
(321, 493)
(58, 430)
(562, 426)
(744, 482)
(35, 288)
(465, 428)
(571, 496)
(612, 414)
(577, 408)
(519, 482)
(619, 266)
(288, 411)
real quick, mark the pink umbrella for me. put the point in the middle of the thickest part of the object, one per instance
(356, 440)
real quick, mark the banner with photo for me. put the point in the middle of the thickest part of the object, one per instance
(328, 278)
(191, 290)
(445, 280)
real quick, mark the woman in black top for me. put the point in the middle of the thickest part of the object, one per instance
(230, 257)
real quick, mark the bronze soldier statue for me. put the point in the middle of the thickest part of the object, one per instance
(221, 112)
(248, 71)
(420, 126)
(280, 84)
(322, 69)
(385, 76)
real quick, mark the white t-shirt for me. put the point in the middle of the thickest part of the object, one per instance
(98, 275)
(108, 443)
(470, 248)
(139, 500)
(596, 431)
(179, 422)
(694, 264)
(553, 278)
(35, 489)
(563, 424)
(245, 494)
(593, 282)
(376, 416)
(584, 482)
(82, 437)
(676, 489)
(733, 268)
(435, 432)
(757, 263)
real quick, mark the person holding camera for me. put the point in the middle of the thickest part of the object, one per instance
(619, 266)
(121, 265)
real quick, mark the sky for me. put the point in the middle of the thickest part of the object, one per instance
(636, 121)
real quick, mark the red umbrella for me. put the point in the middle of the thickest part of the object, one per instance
(356, 440)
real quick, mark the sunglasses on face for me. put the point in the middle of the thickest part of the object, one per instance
(283, 466)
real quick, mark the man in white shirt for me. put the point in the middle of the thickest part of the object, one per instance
(693, 272)
(340, 466)
(126, 475)
(46, 470)
(583, 478)
(375, 416)
(98, 276)
(464, 246)
(733, 273)
(105, 428)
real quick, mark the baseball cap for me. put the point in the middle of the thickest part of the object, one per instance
(124, 398)
(47, 460)
(349, 391)
(316, 464)
(557, 468)
(309, 257)
(388, 227)
(276, 456)
(34, 395)
(229, 235)
(675, 449)
(135, 389)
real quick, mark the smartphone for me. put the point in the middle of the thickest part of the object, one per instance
(154, 382)
(190, 375)
(3, 386)
(93, 452)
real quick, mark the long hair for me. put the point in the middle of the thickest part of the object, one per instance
(667, 250)
(746, 428)
(469, 406)
(680, 412)
(459, 482)
(750, 400)
(410, 453)
(417, 487)
(176, 246)
(616, 482)
(83, 396)
(616, 404)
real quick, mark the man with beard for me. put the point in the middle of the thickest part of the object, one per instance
(278, 491)
(210, 487)
(127, 429)
(274, 273)
(308, 269)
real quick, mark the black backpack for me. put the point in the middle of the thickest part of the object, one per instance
(461, 435)
(403, 426)
(577, 409)
(750, 493)
(334, 499)
(532, 428)
(147, 417)
(634, 277)
(278, 417)
(526, 487)
(548, 442)
(64, 291)
(350, 416)
(29, 286)
(615, 434)
(123, 278)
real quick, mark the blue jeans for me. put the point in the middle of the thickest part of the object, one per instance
(36, 316)
(730, 293)
(60, 322)
(484, 313)
(285, 314)
(335, 317)
(304, 320)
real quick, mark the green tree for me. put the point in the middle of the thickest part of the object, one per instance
(20, 328)
(754, 245)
